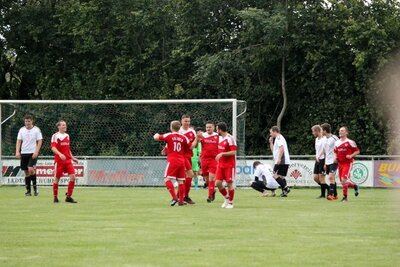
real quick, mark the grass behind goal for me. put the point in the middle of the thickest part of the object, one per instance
(136, 227)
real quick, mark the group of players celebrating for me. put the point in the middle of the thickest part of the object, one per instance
(218, 160)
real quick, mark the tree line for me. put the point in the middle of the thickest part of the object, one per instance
(296, 63)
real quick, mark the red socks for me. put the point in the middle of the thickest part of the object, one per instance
(55, 190)
(70, 189)
(170, 188)
(181, 191)
(224, 192)
(188, 185)
(350, 184)
(211, 188)
(231, 195)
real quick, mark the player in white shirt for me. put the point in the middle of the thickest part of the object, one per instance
(281, 155)
(331, 165)
(263, 179)
(319, 171)
(27, 148)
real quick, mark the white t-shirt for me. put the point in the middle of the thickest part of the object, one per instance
(280, 141)
(330, 149)
(29, 138)
(319, 146)
(264, 173)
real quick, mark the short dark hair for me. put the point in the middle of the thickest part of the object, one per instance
(185, 116)
(326, 127)
(222, 126)
(210, 122)
(28, 117)
(256, 163)
(198, 129)
(175, 125)
(275, 129)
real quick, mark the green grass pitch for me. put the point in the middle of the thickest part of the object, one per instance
(136, 227)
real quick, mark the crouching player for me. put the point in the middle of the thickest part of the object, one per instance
(263, 179)
(177, 144)
(345, 151)
(60, 145)
(226, 168)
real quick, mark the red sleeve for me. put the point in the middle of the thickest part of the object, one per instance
(162, 136)
(53, 141)
(232, 144)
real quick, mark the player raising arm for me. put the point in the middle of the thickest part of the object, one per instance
(60, 145)
(226, 168)
(345, 151)
(209, 143)
(177, 144)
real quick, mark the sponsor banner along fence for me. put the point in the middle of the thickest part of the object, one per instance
(150, 172)
(13, 175)
(387, 173)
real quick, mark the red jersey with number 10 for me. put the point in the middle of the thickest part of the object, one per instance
(209, 145)
(343, 148)
(61, 142)
(227, 144)
(177, 144)
(191, 135)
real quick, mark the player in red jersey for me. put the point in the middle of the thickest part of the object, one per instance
(226, 168)
(177, 144)
(209, 144)
(60, 145)
(345, 151)
(191, 135)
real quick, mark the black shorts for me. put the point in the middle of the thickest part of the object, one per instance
(281, 169)
(319, 167)
(27, 161)
(331, 168)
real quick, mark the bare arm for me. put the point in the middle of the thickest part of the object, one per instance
(72, 157)
(38, 147)
(18, 148)
(227, 154)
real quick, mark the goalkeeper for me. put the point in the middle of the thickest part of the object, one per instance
(196, 161)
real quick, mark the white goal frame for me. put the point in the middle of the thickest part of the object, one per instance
(234, 103)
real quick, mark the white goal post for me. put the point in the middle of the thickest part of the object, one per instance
(112, 137)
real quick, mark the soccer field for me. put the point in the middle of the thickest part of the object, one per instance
(136, 227)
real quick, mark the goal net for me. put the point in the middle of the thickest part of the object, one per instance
(112, 139)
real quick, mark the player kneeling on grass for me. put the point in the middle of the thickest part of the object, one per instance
(177, 144)
(263, 179)
(60, 145)
(226, 168)
(345, 151)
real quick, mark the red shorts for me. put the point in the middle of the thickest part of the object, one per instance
(225, 174)
(63, 167)
(344, 171)
(208, 165)
(188, 164)
(175, 171)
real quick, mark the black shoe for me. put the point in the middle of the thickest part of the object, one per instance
(344, 199)
(283, 194)
(36, 193)
(189, 200)
(182, 204)
(356, 192)
(320, 197)
(213, 196)
(70, 200)
(56, 200)
(28, 194)
(287, 190)
(173, 202)
(209, 200)
(205, 185)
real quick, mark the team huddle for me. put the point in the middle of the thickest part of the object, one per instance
(217, 160)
